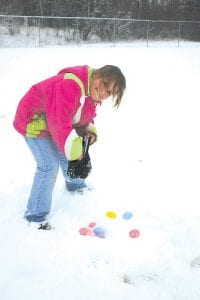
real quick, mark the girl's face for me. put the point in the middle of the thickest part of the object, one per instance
(99, 90)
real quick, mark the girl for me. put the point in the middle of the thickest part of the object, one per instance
(53, 116)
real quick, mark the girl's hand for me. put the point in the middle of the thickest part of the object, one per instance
(92, 136)
(80, 157)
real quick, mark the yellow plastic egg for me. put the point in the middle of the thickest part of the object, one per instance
(111, 214)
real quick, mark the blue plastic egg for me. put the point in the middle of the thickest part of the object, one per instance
(99, 231)
(127, 215)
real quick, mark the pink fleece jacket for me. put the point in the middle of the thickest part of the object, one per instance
(59, 99)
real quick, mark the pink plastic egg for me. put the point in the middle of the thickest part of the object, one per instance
(134, 233)
(90, 232)
(92, 224)
(83, 231)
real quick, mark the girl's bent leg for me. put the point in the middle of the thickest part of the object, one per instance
(44, 153)
(71, 184)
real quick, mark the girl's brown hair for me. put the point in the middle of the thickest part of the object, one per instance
(112, 74)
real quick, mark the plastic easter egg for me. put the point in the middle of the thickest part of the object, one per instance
(90, 232)
(127, 215)
(83, 231)
(86, 231)
(92, 224)
(99, 231)
(134, 233)
(111, 214)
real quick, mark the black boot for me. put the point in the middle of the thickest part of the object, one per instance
(45, 226)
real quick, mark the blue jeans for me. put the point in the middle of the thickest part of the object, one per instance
(48, 159)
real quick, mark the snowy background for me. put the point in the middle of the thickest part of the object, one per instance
(147, 160)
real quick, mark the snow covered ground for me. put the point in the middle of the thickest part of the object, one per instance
(147, 160)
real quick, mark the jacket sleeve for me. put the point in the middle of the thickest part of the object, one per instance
(63, 100)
